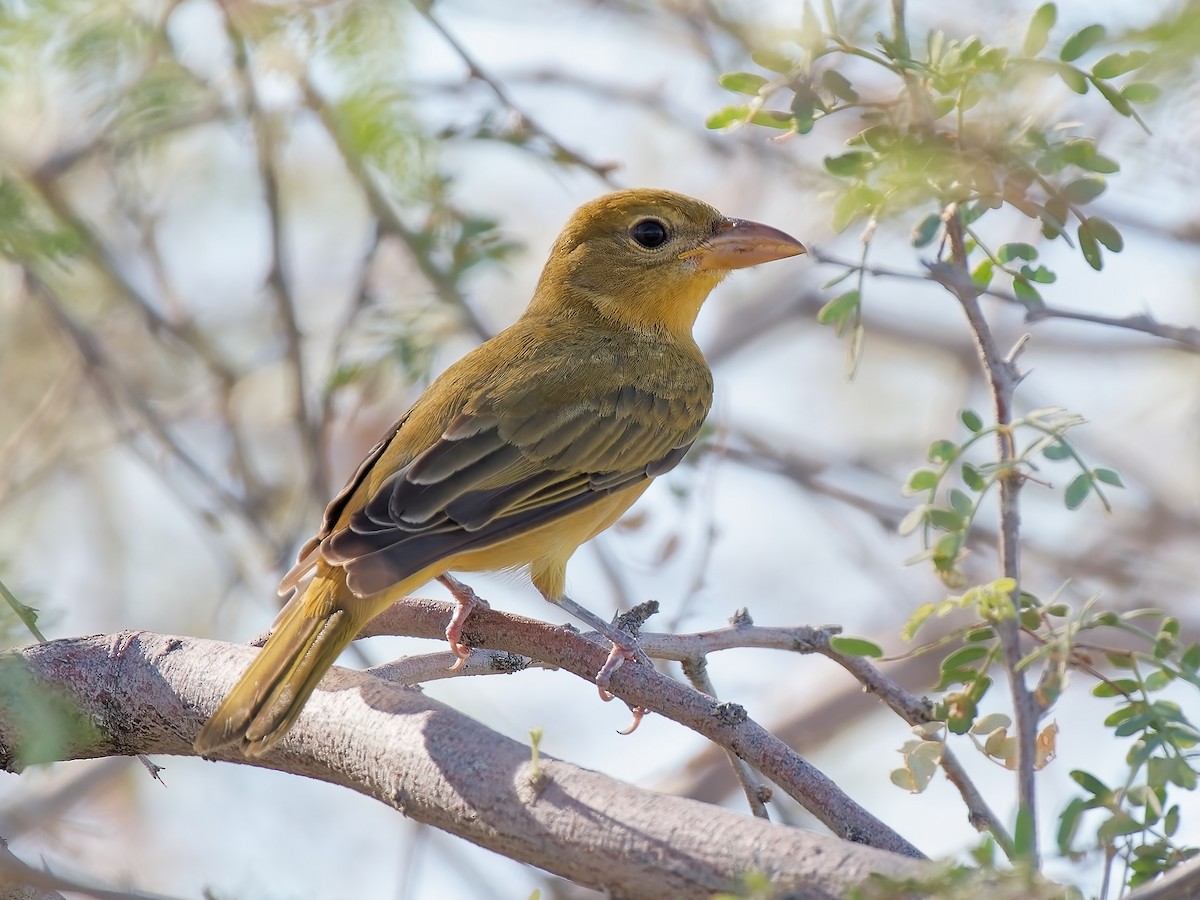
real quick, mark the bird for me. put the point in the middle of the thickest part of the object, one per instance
(526, 447)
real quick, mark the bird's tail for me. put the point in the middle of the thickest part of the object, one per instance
(310, 634)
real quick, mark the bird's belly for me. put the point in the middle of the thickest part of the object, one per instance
(546, 549)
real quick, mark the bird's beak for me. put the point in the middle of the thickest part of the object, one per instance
(739, 243)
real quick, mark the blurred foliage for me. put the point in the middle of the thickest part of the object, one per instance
(945, 124)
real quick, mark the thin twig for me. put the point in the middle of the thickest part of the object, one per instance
(443, 284)
(27, 615)
(360, 301)
(526, 123)
(696, 671)
(14, 871)
(285, 302)
(1187, 336)
(916, 712)
(1002, 377)
(117, 395)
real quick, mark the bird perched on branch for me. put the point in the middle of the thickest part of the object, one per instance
(531, 444)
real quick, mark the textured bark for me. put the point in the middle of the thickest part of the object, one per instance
(148, 693)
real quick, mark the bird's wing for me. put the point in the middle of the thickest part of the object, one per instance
(306, 559)
(495, 475)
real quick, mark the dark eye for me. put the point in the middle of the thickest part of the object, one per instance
(650, 233)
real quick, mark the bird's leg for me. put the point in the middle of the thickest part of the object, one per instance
(624, 645)
(466, 602)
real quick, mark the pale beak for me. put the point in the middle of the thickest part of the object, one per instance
(739, 243)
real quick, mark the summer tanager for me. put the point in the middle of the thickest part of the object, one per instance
(531, 444)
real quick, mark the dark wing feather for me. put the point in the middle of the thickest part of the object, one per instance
(491, 476)
(307, 557)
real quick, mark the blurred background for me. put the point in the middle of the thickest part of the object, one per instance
(242, 237)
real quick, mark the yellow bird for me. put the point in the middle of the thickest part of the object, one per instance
(531, 444)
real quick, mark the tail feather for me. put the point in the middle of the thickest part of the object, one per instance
(267, 699)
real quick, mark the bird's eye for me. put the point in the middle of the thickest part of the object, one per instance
(650, 233)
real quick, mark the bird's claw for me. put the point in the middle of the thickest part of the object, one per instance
(616, 658)
(466, 602)
(639, 712)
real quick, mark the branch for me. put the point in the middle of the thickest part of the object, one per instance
(142, 692)
(439, 279)
(561, 153)
(1002, 377)
(1187, 336)
(277, 278)
(691, 650)
(725, 724)
(21, 881)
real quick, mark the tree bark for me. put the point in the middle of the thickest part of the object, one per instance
(136, 692)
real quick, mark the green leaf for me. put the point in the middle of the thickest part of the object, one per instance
(1040, 275)
(1158, 679)
(1012, 251)
(1106, 233)
(743, 82)
(879, 137)
(1056, 451)
(1191, 658)
(942, 451)
(945, 520)
(837, 309)
(856, 202)
(1039, 29)
(964, 656)
(1108, 476)
(1141, 92)
(1081, 42)
(971, 419)
(914, 518)
(1113, 96)
(724, 118)
(1089, 247)
(774, 60)
(920, 480)
(971, 477)
(926, 230)
(960, 502)
(1121, 823)
(1171, 821)
(1090, 783)
(1086, 189)
(982, 273)
(1115, 687)
(1119, 63)
(1068, 825)
(838, 85)
(848, 165)
(773, 118)
(1026, 292)
(855, 646)
(1074, 79)
(1078, 490)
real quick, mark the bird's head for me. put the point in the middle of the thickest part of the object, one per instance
(649, 258)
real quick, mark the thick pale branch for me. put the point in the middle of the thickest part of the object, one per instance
(141, 692)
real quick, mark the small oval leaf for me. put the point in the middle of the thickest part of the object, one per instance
(1078, 490)
(855, 646)
(742, 82)
(1081, 42)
